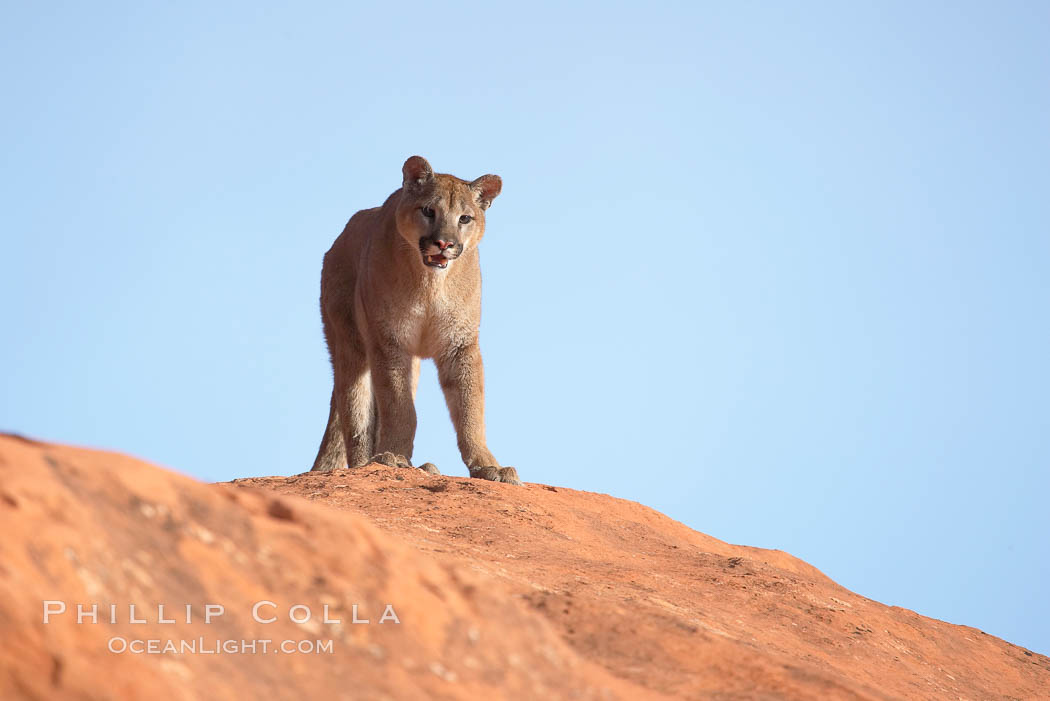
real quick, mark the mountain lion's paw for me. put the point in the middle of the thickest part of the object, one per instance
(391, 460)
(507, 475)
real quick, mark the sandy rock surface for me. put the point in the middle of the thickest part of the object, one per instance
(499, 592)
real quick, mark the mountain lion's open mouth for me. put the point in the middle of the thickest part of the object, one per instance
(435, 261)
(437, 252)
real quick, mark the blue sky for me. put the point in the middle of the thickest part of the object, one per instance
(778, 272)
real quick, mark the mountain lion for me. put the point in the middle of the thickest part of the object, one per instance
(401, 283)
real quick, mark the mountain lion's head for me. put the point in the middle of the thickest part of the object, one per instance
(441, 214)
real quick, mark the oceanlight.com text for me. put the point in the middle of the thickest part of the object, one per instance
(214, 646)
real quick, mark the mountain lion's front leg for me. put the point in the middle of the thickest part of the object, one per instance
(392, 386)
(463, 382)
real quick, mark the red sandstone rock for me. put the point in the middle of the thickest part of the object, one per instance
(501, 592)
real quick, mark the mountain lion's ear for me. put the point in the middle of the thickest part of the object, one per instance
(416, 171)
(486, 188)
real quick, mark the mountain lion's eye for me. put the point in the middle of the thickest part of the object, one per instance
(428, 212)
(466, 219)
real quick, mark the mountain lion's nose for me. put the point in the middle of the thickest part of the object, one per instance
(443, 244)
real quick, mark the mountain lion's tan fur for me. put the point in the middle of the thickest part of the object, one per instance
(403, 282)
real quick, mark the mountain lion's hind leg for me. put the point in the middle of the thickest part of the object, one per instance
(332, 453)
(353, 396)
